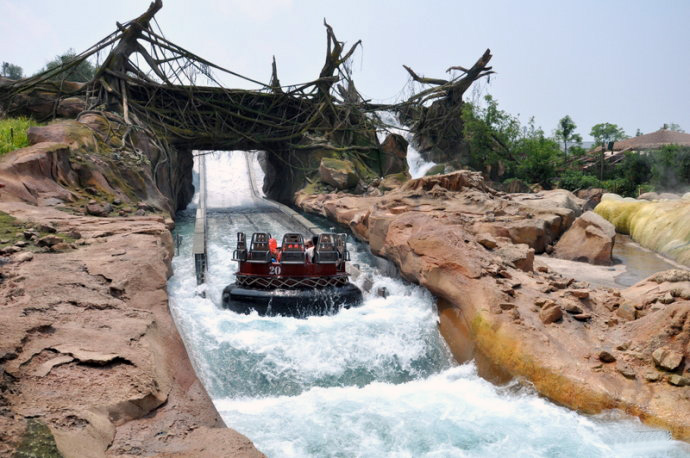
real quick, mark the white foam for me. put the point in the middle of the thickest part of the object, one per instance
(226, 180)
(453, 413)
(417, 165)
(375, 380)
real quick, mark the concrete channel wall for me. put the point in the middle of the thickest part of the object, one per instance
(291, 214)
(199, 241)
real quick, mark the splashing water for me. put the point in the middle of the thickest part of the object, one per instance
(416, 163)
(375, 380)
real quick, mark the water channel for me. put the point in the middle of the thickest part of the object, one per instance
(377, 380)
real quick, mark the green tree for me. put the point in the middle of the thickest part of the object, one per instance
(634, 170)
(638, 132)
(83, 72)
(538, 159)
(490, 134)
(671, 167)
(11, 71)
(577, 151)
(565, 132)
(603, 134)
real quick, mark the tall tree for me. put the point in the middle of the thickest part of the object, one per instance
(565, 132)
(11, 71)
(489, 134)
(539, 158)
(603, 134)
(82, 72)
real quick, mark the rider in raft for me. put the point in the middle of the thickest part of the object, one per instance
(296, 279)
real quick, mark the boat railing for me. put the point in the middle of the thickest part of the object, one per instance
(330, 248)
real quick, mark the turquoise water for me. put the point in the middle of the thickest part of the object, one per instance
(376, 380)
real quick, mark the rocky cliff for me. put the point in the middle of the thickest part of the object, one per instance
(89, 350)
(91, 363)
(472, 247)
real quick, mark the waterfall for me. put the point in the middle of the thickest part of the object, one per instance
(416, 163)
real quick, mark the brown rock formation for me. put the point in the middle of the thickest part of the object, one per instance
(88, 347)
(394, 155)
(75, 160)
(435, 230)
(591, 196)
(338, 173)
(589, 239)
(91, 363)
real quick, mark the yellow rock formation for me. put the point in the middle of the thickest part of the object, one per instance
(662, 226)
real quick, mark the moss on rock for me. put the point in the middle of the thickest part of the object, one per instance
(394, 180)
(38, 441)
(339, 173)
(438, 169)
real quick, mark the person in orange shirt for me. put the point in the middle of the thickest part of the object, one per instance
(273, 249)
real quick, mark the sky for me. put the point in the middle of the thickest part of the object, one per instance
(623, 62)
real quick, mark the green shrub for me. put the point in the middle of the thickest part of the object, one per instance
(13, 133)
(620, 186)
(636, 168)
(671, 167)
(572, 180)
(645, 188)
(576, 151)
(539, 157)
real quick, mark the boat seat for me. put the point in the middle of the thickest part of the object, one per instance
(259, 252)
(240, 253)
(325, 251)
(341, 246)
(292, 249)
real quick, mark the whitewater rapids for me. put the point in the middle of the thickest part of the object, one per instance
(376, 380)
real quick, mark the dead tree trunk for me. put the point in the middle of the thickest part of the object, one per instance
(435, 114)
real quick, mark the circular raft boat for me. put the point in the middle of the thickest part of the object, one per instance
(293, 280)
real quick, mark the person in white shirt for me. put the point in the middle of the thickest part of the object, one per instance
(309, 250)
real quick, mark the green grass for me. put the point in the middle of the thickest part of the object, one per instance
(12, 231)
(13, 133)
(8, 226)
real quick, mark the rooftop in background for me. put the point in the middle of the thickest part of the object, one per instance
(651, 141)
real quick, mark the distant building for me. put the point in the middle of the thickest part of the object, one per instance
(642, 143)
(647, 142)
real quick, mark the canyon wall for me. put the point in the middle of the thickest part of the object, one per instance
(91, 363)
(473, 248)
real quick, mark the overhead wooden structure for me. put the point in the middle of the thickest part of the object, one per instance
(155, 85)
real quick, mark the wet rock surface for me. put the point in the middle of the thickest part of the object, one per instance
(89, 354)
(590, 239)
(451, 233)
(394, 149)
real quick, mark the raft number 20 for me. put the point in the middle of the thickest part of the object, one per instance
(274, 270)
